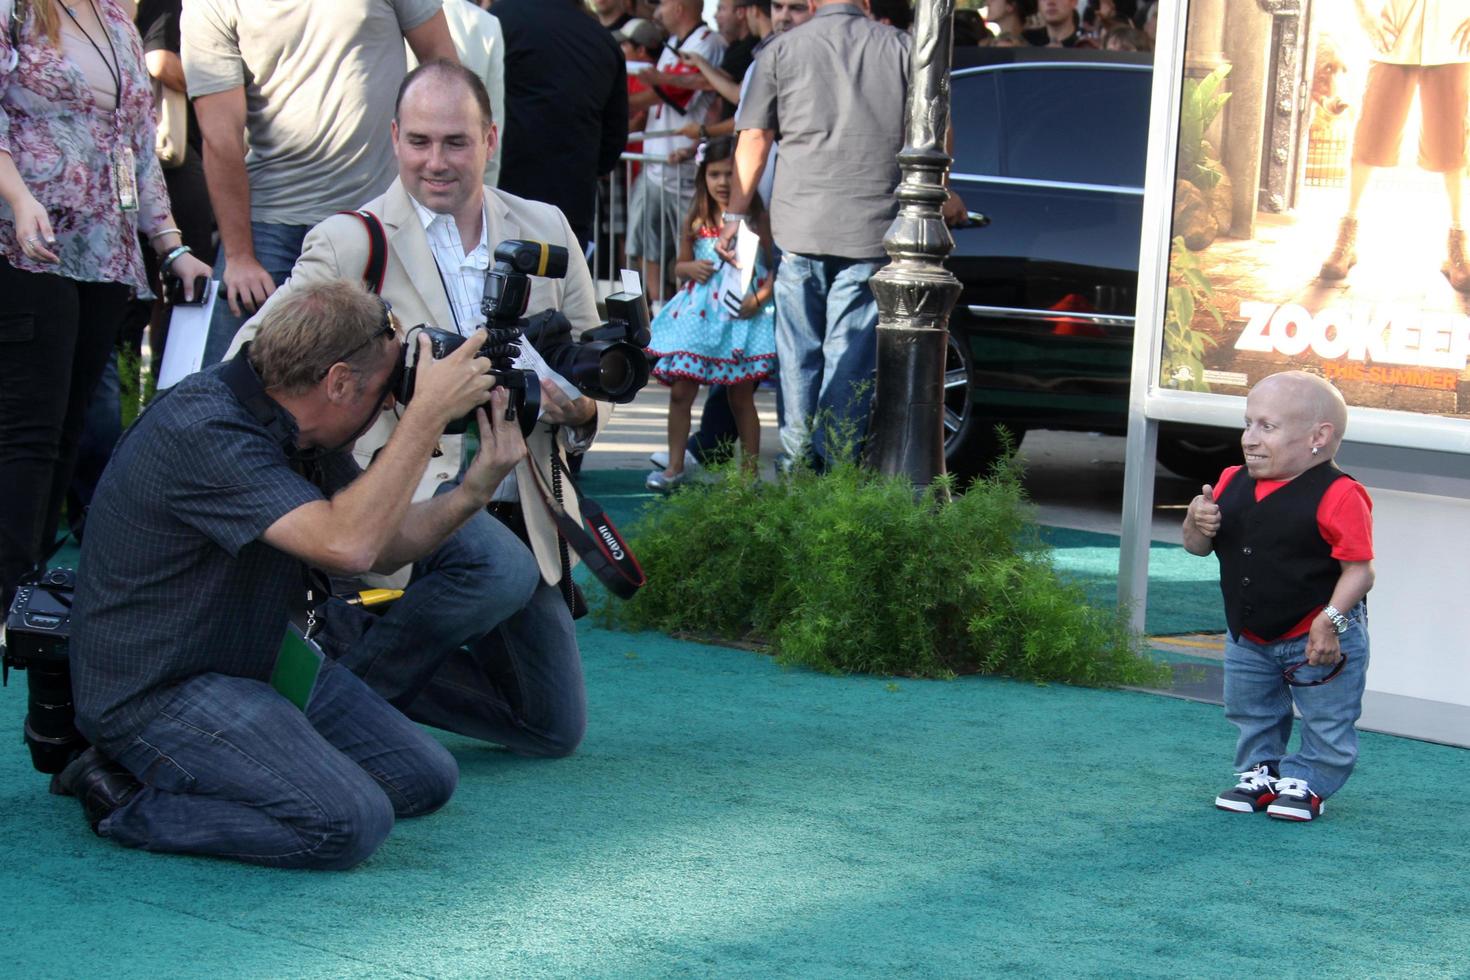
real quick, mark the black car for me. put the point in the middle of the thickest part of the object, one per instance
(1049, 149)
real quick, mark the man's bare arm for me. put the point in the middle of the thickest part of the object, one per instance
(221, 118)
(1323, 643)
(716, 78)
(751, 152)
(431, 40)
(350, 533)
(428, 522)
(167, 67)
(642, 100)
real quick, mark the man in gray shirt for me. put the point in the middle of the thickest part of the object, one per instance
(833, 92)
(291, 99)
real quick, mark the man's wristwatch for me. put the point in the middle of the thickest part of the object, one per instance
(730, 216)
(1339, 622)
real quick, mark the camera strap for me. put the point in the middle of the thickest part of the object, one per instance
(602, 549)
(377, 260)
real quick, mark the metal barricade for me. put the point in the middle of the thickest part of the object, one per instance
(614, 199)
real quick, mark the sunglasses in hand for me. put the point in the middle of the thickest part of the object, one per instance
(1290, 673)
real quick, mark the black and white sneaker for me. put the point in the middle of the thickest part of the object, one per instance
(1295, 801)
(1254, 792)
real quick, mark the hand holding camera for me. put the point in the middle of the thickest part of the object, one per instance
(453, 385)
(502, 446)
(558, 409)
(606, 362)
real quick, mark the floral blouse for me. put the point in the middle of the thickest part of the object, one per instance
(62, 145)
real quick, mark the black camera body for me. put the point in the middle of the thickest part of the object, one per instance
(441, 344)
(607, 363)
(37, 640)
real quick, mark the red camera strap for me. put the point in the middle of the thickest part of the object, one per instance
(602, 548)
(377, 261)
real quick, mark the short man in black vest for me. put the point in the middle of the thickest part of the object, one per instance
(1294, 536)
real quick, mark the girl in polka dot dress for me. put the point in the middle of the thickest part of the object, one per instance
(697, 339)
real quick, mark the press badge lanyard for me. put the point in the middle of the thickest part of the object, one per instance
(124, 164)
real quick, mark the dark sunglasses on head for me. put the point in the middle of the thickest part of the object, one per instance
(385, 331)
(1290, 673)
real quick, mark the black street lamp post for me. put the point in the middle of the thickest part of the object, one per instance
(915, 292)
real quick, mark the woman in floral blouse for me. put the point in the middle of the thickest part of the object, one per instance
(78, 182)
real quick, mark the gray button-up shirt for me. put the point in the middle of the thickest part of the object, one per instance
(833, 91)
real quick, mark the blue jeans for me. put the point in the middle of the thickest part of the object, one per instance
(827, 349)
(277, 247)
(1258, 701)
(232, 769)
(100, 432)
(478, 645)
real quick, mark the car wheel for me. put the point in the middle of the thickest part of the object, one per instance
(971, 444)
(1196, 453)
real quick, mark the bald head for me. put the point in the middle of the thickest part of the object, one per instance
(439, 78)
(1313, 399)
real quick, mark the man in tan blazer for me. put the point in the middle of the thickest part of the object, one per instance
(482, 642)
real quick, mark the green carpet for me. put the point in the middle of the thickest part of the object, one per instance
(725, 817)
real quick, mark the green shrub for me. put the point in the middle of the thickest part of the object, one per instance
(136, 384)
(848, 571)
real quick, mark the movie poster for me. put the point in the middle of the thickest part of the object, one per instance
(1319, 196)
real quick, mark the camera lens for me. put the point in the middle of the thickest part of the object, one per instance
(614, 372)
(50, 729)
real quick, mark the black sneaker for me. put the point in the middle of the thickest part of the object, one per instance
(1295, 801)
(1254, 792)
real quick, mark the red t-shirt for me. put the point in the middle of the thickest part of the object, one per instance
(1344, 519)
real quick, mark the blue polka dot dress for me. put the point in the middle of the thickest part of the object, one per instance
(695, 337)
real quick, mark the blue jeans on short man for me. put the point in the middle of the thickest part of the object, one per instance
(1258, 701)
(826, 350)
(277, 247)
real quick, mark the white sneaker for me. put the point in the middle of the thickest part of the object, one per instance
(660, 460)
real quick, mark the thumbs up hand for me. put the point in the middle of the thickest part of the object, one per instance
(1204, 513)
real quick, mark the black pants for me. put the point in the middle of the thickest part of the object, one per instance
(716, 435)
(55, 338)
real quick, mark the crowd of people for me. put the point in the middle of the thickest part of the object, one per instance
(338, 195)
(1115, 25)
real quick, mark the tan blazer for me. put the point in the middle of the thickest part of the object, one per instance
(338, 248)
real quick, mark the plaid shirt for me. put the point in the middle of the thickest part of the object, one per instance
(174, 579)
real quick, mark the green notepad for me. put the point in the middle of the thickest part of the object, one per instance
(297, 665)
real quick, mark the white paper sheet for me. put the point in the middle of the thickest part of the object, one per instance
(188, 329)
(735, 279)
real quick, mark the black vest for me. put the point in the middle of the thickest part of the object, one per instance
(1274, 566)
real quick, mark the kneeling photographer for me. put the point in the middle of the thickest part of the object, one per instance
(482, 641)
(216, 724)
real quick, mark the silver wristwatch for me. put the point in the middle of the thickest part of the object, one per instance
(1339, 622)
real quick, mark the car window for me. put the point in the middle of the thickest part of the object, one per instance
(973, 109)
(1084, 125)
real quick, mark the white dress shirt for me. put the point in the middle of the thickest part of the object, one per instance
(464, 282)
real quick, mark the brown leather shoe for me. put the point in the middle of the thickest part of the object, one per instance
(1456, 269)
(1344, 254)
